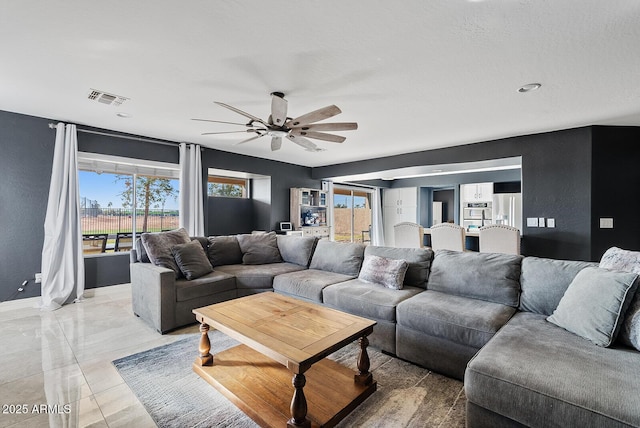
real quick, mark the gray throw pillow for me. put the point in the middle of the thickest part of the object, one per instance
(191, 259)
(158, 247)
(224, 250)
(383, 271)
(259, 249)
(594, 304)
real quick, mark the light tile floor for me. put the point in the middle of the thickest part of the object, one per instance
(55, 367)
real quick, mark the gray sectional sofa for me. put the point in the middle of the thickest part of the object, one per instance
(473, 316)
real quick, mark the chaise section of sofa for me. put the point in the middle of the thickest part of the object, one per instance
(469, 297)
(378, 302)
(534, 373)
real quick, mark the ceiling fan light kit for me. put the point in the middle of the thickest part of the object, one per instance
(279, 125)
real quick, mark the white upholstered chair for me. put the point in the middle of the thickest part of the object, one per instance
(447, 236)
(499, 238)
(408, 235)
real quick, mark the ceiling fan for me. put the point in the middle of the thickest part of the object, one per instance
(279, 125)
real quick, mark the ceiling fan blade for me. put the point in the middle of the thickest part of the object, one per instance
(249, 139)
(314, 116)
(220, 121)
(301, 141)
(318, 135)
(338, 126)
(276, 143)
(278, 110)
(228, 132)
(245, 114)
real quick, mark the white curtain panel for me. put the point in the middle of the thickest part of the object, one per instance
(377, 230)
(62, 259)
(191, 206)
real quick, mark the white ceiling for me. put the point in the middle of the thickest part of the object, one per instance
(415, 75)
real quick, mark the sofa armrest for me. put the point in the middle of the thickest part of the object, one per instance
(153, 292)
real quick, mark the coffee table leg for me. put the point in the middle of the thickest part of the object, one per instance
(298, 404)
(364, 377)
(205, 358)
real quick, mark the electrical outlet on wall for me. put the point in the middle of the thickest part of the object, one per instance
(38, 278)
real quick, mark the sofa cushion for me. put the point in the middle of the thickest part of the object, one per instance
(158, 247)
(367, 300)
(461, 320)
(259, 248)
(338, 257)
(257, 276)
(544, 282)
(307, 284)
(419, 260)
(542, 375)
(141, 253)
(491, 277)
(224, 250)
(594, 304)
(296, 249)
(207, 285)
(383, 271)
(191, 259)
(630, 329)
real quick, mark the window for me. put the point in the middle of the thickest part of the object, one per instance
(119, 196)
(351, 214)
(229, 187)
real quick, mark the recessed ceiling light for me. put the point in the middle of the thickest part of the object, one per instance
(123, 114)
(529, 87)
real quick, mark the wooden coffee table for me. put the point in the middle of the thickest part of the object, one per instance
(281, 336)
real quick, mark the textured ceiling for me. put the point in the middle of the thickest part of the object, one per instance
(415, 74)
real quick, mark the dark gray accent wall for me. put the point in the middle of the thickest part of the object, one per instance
(25, 172)
(615, 188)
(556, 181)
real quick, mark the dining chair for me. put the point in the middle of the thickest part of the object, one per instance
(499, 238)
(94, 243)
(124, 242)
(408, 235)
(447, 236)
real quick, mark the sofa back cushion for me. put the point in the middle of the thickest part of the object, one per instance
(296, 249)
(339, 257)
(491, 277)
(544, 281)
(418, 259)
(259, 248)
(224, 250)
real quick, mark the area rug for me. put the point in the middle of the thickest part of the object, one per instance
(174, 396)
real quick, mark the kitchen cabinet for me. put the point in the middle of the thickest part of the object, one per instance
(399, 205)
(308, 211)
(477, 192)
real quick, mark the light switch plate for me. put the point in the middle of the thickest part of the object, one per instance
(540, 221)
(551, 222)
(532, 222)
(606, 223)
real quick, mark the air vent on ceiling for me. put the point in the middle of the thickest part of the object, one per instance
(106, 98)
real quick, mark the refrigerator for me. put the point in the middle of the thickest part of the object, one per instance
(507, 209)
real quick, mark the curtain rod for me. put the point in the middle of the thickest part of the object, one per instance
(108, 134)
